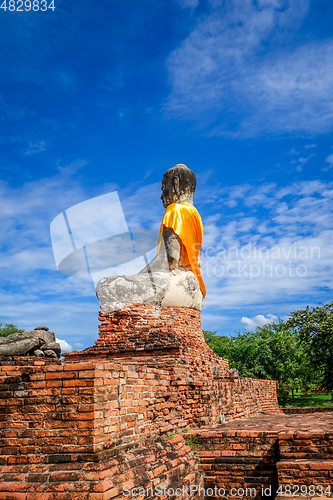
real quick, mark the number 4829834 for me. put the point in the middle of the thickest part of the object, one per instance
(21, 6)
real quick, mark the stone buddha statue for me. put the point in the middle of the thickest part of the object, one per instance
(181, 229)
(173, 277)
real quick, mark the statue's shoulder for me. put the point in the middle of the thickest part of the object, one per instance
(182, 208)
(189, 209)
(181, 214)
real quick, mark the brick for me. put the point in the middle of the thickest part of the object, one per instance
(322, 465)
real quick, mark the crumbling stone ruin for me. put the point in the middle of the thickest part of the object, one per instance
(38, 342)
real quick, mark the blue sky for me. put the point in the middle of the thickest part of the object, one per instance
(103, 97)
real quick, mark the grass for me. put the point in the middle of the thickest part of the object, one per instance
(307, 400)
(193, 442)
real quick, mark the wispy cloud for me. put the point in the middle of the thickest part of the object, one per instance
(71, 168)
(329, 160)
(11, 112)
(65, 78)
(29, 279)
(271, 250)
(223, 74)
(302, 162)
(113, 80)
(35, 147)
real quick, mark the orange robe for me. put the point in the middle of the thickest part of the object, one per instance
(186, 222)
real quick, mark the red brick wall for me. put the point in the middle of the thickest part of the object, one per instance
(84, 408)
(241, 459)
(306, 473)
(238, 459)
(306, 445)
(90, 425)
(87, 428)
(306, 459)
(201, 385)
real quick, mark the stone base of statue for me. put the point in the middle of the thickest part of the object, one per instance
(161, 289)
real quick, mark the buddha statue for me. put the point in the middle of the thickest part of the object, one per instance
(181, 228)
(173, 277)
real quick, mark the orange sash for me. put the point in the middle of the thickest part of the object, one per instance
(186, 222)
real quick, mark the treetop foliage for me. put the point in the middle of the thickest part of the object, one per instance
(315, 328)
(8, 328)
(272, 351)
(298, 352)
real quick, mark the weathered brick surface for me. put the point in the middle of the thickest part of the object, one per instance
(237, 460)
(171, 338)
(306, 472)
(313, 444)
(303, 411)
(91, 435)
(306, 456)
(257, 452)
(159, 463)
(86, 427)
(159, 337)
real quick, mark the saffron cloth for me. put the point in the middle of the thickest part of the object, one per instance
(186, 222)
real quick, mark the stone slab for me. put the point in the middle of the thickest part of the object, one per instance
(274, 424)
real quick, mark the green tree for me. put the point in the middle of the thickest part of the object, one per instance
(273, 351)
(315, 327)
(8, 328)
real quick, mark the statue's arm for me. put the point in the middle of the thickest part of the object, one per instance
(200, 258)
(172, 248)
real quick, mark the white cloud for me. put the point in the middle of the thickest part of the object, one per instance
(35, 147)
(259, 320)
(65, 78)
(223, 73)
(329, 160)
(11, 111)
(284, 254)
(30, 282)
(302, 162)
(65, 346)
(72, 168)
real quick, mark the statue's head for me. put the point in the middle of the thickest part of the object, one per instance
(178, 185)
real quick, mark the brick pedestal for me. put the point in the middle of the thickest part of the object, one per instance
(165, 337)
